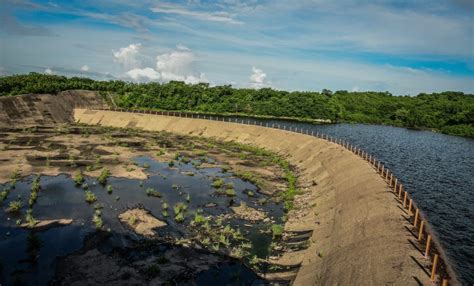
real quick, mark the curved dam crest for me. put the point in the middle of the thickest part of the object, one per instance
(360, 235)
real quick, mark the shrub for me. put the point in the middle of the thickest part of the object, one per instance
(230, 192)
(78, 178)
(152, 193)
(14, 206)
(179, 218)
(30, 219)
(146, 165)
(132, 220)
(179, 208)
(103, 176)
(90, 197)
(277, 230)
(109, 189)
(97, 219)
(217, 183)
(35, 186)
(164, 205)
(4, 194)
(33, 197)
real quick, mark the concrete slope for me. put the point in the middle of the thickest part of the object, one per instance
(45, 109)
(360, 235)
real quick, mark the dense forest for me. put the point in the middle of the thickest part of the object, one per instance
(447, 112)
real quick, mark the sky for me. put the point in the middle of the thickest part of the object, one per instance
(404, 47)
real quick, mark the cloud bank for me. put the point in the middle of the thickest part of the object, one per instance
(178, 65)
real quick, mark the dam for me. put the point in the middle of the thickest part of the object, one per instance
(360, 221)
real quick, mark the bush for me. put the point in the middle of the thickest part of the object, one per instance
(90, 197)
(97, 219)
(14, 206)
(104, 175)
(152, 193)
(277, 230)
(78, 178)
(217, 183)
(230, 193)
(179, 218)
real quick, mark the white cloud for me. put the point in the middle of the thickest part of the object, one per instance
(179, 65)
(168, 8)
(176, 65)
(85, 68)
(257, 78)
(128, 56)
(48, 71)
(146, 74)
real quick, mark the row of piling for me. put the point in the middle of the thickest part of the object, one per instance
(441, 272)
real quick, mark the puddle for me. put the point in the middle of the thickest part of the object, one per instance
(32, 256)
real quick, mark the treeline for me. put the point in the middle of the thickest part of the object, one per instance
(448, 112)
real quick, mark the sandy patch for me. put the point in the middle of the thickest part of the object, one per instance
(141, 221)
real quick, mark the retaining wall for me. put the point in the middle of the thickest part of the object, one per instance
(363, 234)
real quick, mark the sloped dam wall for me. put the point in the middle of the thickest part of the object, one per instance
(360, 235)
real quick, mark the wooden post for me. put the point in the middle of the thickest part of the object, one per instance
(391, 179)
(435, 266)
(382, 170)
(445, 282)
(410, 205)
(428, 245)
(395, 186)
(378, 166)
(400, 192)
(405, 200)
(420, 233)
(417, 213)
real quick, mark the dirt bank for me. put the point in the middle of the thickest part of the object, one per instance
(360, 235)
(45, 109)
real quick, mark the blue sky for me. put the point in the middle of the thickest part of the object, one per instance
(404, 47)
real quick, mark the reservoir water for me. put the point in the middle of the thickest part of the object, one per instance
(437, 171)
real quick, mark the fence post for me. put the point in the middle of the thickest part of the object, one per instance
(435, 266)
(410, 205)
(405, 200)
(400, 191)
(428, 245)
(417, 213)
(445, 282)
(420, 233)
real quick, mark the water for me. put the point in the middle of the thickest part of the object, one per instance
(437, 171)
(29, 256)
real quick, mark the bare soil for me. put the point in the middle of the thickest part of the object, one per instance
(141, 221)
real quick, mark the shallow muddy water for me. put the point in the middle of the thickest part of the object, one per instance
(31, 256)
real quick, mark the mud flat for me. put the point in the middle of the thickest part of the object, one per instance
(142, 207)
(358, 234)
